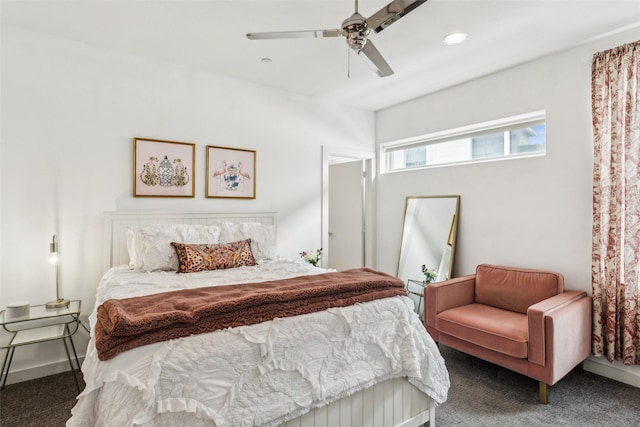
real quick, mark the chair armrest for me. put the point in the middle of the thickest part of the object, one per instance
(548, 318)
(442, 296)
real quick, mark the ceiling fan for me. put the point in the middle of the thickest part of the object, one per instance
(356, 29)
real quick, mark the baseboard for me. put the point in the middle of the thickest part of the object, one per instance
(40, 371)
(616, 370)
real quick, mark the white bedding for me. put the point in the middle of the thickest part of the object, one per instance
(262, 374)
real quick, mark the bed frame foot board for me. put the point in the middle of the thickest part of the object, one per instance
(391, 403)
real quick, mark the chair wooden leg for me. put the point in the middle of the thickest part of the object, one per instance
(544, 393)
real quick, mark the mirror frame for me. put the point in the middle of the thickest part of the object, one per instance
(453, 230)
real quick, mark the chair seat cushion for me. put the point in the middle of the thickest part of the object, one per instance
(500, 330)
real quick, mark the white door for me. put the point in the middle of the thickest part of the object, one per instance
(346, 214)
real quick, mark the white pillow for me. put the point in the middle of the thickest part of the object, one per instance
(150, 245)
(263, 237)
(131, 246)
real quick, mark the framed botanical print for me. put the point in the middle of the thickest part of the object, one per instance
(231, 173)
(163, 168)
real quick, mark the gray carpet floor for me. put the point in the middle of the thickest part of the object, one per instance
(481, 394)
(43, 402)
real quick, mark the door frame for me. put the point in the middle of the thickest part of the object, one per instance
(369, 217)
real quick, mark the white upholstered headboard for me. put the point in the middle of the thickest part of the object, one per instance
(116, 223)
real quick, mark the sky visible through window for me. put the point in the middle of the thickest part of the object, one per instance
(519, 140)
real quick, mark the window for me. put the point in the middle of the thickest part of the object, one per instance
(519, 136)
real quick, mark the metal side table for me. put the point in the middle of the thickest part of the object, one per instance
(40, 325)
(415, 290)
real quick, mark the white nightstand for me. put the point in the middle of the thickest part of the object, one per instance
(40, 325)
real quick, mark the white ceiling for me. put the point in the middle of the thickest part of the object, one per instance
(210, 35)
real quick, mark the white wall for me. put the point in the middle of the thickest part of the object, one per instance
(532, 212)
(69, 115)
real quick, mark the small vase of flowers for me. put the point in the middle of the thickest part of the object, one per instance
(430, 275)
(312, 257)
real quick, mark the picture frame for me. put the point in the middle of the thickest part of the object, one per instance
(231, 173)
(163, 168)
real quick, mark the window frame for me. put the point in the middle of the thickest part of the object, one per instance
(480, 129)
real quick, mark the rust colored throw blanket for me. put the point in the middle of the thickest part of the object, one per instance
(132, 322)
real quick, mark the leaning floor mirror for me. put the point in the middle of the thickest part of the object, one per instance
(428, 243)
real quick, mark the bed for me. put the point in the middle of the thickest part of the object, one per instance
(367, 364)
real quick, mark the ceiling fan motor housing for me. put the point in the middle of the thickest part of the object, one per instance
(356, 41)
(356, 31)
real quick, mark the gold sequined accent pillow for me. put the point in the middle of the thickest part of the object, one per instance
(202, 257)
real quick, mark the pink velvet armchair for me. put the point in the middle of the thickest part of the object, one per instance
(520, 319)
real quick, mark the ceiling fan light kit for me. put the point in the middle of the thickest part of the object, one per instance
(356, 30)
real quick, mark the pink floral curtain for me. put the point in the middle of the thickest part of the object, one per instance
(615, 95)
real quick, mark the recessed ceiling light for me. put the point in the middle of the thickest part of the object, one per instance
(266, 60)
(454, 38)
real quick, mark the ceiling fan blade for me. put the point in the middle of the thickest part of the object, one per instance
(391, 13)
(295, 34)
(372, 56)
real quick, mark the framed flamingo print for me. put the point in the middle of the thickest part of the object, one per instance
(231, 173)
(163, 168)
